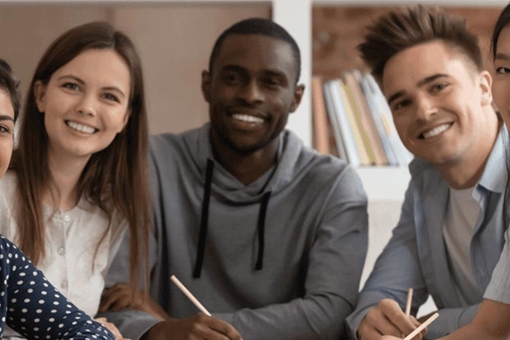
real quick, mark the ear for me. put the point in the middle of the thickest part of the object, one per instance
(298, 94)
(206, 85)
(485, 88)
(39, 94)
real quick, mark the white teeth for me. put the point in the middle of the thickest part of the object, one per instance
(436, 131)
(248, 118)
(81, 128)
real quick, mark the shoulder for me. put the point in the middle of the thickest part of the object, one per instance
(8, 184)
(423, 174)
(10, 254)
(332, 174)
(175, 145)
(8, 194)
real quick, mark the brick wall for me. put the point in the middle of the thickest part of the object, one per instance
(338, 30)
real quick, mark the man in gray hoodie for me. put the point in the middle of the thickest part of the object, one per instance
(269, 236)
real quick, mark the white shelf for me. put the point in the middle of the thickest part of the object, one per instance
(385, 183)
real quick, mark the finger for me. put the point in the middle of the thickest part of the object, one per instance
(375, 324)
(395, 316)
(112, 300)
(122, 304)
(224, 328)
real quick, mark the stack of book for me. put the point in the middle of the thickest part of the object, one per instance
(353, 121)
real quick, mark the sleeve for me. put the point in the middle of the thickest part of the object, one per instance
(396, 270)
(35, 308)
(334, 268)
(499, 286)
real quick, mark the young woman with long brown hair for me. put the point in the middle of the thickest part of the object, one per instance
(78, 178)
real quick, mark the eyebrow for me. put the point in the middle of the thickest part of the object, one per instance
(81, 82)
(502, 56)
(6, 117)
(421, 83)
(267, 72)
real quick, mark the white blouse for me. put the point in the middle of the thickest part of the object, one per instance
(73, 262)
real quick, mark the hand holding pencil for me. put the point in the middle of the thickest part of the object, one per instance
(419, 329)
(202, 326)
(388, 318)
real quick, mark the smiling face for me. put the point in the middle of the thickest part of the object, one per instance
(6, 130)
(501, 88)
(440, 103)
(85, 103)
(250, 92)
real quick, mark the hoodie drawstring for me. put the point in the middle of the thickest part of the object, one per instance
(204, 219)
(204, 223)
(261, 227)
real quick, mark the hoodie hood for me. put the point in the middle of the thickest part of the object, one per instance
(226, 186)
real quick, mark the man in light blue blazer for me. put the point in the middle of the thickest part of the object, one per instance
(450, 234)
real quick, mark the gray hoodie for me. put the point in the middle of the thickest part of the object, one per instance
(280, 258)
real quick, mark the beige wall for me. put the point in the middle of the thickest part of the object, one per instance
(174, 42)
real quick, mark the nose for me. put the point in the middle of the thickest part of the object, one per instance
(426, 108)
(251, 92)
(86, 105)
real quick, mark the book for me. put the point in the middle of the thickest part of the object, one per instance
(320, 119)
(335, 124)
(352, 125)
(369, 92)
(402, 155)
(367, 119)
(340, 123)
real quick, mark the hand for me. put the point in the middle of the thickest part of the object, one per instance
(389, 337)
(121, 296)
(111, 327)
(387, 319)
(194, 328)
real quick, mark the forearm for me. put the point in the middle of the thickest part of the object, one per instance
(319, 317)
(490, 323)
(451, 319)
(132, 324)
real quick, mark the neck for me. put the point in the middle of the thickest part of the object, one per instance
(467, 172)
(65, 173)
(246, 167)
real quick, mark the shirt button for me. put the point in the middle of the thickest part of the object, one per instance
(67, 218)
(63, 284)
(61, 251)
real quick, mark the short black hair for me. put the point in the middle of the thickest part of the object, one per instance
(258, 26)
(10, 83)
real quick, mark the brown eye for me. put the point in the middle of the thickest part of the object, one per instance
(111, 97)
(502, 70)
(71, 86)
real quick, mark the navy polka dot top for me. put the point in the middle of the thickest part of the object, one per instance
(33, 307)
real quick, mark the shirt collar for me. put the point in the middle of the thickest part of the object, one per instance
(495, 174)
